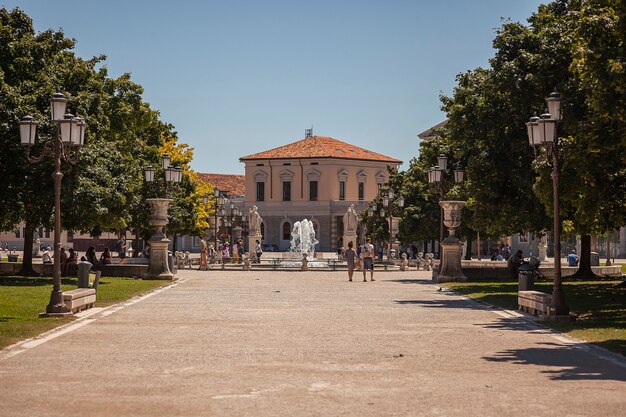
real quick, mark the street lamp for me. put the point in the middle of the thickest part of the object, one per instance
(392, 204)
(70, 135)
(543, 131)
(437, 181)
(158, 266)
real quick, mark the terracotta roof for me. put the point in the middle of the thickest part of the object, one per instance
(320, 147)
(232, 185)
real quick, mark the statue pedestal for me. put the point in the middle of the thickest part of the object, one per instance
(158, 267)
(543, 253)
(450, 269)
(252, 244)
(350, 237)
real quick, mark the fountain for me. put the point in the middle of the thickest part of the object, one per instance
(302, 247)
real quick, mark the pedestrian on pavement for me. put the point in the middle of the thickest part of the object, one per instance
(367, 255)
(350, 256)
(259, 250)
(204, 265)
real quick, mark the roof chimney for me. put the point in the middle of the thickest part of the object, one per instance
(308, 133)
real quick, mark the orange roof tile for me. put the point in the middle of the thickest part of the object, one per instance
(232, 185)
(320, 147)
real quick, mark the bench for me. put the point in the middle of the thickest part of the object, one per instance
(534, 302)
(79, 299)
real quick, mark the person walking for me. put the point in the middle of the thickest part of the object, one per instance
(258, 249)
(367, 254)
(350, 256)
(204, 265)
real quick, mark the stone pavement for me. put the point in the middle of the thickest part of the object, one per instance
(308, 344)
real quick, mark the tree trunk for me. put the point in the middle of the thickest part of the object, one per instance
(584, 267)
(27, 257)
(468, 251)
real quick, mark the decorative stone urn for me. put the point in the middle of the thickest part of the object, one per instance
(452, 217)
(451, 246)
(158, 267)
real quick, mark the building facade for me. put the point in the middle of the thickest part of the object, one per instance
(317, 179)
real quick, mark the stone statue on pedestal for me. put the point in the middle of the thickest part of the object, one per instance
(254, 221)
(350, 222)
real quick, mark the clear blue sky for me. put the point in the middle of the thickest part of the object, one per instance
(241, 76)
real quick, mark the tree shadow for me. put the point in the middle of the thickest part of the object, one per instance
(412, 281)
(33, 281)
(454, 303)
(573, 362)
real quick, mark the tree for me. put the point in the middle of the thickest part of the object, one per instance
(489, 107)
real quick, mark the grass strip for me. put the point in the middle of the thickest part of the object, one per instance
(23, 298)
(599, 306)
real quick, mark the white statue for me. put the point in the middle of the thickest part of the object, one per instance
(350, 220)
(254, 221)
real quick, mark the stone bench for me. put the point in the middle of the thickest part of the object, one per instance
(534, 302)
(79, 299)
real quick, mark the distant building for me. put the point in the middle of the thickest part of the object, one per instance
(316, 178)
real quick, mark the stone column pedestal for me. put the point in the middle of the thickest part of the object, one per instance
(252, 244)
(450, 263)
(450, 266)
(158, 267)
(351, 237)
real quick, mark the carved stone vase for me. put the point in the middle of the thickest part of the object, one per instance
(158, 267)
(451, 246)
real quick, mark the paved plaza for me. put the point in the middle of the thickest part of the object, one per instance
(307, 344)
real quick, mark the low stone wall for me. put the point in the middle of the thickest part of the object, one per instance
(484, 271)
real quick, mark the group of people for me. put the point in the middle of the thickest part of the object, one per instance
(362, 257)
(69, 258)
(224, 252)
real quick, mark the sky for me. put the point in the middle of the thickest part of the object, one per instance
(238, 77)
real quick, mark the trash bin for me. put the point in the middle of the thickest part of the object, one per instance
(83, 274)
(595, 259)
(526, 280)
(12, 258)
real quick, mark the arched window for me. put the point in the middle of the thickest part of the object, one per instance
(286, 231)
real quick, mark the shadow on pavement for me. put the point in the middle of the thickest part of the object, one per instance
(569, 362)
(412, 281)
(468, 304)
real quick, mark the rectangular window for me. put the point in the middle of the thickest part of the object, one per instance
(361, 191)
(287, 191)
(40, 231)
(313, 190)
(17, 233)
(342, 190)
(47, 233)
(260, 191)
(70, 235)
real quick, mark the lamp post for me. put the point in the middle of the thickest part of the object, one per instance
(543, 131)
(230, 214)
(438, 182)
(158, 267)
(391, 204)
(218, 200)
(64, 147)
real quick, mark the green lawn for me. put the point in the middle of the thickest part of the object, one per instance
(23, 298)
(601, 309)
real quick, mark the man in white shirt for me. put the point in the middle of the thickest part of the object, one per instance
(367, 255)
(46, 257)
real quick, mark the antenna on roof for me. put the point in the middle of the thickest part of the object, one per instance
(308, 133)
